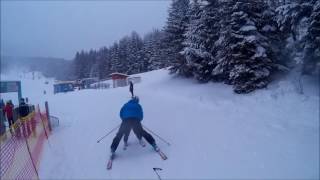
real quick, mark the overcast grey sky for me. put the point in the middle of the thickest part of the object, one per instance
(60, 28)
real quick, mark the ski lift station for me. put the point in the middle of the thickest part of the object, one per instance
(119, 79)
(63, 86)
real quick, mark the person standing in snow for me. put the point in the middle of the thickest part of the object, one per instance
(126, 135)
(24, 111)
(23, 108)
(131, 89)
(2, 106)
(131, 114)
(8, 109)
(2, 118)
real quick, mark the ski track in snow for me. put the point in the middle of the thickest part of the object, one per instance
(214, 133)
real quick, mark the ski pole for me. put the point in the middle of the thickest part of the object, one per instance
(155, 170)
(108, 133)
(157, 135)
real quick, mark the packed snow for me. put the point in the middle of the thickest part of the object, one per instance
(214, 133)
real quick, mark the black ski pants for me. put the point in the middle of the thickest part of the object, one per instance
(10, 120)
(125, 129)
(127, 134)
(131, 91)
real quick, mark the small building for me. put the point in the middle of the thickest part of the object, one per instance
(100, 85)
(86, 82)
(119, 79)
(63, 86)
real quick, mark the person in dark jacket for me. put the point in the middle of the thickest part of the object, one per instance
(131, 89)
(23, 108)
(126, 135)
(2, 106)
(2, 119)
(131, 114)
(23, 112)
(2, 103)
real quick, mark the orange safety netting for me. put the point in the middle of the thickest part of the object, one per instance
(21, 147)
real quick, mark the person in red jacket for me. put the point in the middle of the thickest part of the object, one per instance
(8, 109)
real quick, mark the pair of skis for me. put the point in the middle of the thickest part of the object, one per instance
(109, 164)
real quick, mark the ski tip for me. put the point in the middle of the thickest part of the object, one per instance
(109, 165)
(155, 169)
(163, 156)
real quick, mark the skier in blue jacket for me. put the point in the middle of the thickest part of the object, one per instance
(131, 114)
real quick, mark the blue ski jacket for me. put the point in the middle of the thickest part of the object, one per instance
(132, 109)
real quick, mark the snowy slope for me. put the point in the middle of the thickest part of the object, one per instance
(31, 88)
(271, 133)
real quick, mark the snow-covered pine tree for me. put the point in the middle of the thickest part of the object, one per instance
(104, 62)
(77, 69)
(92, 64)
(175, 29)
(246, 60)
(201, 37)
(220, 72)
(114, 58)
(94, 70)
(89, 62)
(290, 15)
(270, 29)
(124, 61)
(147, 49)
(160, 55)
(83, 63)
(134, 58)
(194, 50)
(153, 50)
(311, 57)
(293, 19)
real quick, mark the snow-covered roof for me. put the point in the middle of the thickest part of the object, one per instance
(63, 82)
(89, 78)
(116, 73)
